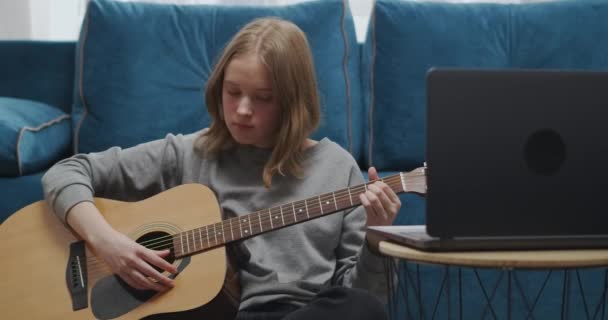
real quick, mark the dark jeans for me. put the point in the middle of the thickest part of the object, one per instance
(332, 303)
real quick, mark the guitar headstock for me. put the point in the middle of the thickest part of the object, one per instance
(415, 180)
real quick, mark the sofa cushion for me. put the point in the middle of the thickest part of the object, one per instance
(142, 67)
(561, 34)
(18, 192)
(34, 136)
(407, 38)
(38, 70)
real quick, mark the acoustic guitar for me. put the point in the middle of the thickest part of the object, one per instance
(48, 272)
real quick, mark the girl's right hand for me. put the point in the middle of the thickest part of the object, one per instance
(133, 262)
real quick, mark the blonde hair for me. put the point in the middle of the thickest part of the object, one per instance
(283, 49)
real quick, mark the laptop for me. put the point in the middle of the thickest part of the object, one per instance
(516, 159)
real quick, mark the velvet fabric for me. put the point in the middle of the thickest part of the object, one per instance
(18, 192)
(34, 136)
(53, 79)
(407, 38)
(147, 79)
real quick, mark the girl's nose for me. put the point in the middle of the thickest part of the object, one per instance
(244, 107)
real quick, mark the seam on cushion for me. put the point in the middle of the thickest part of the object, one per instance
(371, 87)
(85, 112)
(349, 132)
(36, 129)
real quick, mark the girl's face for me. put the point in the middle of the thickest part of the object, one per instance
(251, 111)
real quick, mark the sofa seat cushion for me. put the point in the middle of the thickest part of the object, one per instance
(18, 192)
(34, 136)
(142, 67)
(407, 38)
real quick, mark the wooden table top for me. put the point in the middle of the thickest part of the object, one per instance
(502, 259)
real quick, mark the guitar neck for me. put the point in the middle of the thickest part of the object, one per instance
(252, 224)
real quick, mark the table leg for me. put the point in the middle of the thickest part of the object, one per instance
(460, 292)
(509, 294)
(485, 294)
(565, 298)
(582, 292)
(438, 299)
(529, 307)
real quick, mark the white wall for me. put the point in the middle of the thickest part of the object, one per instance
(41, 19)
(14, 20)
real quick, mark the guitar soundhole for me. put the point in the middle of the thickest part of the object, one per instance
(158, 240)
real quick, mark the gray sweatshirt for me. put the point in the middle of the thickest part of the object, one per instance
(289, 265)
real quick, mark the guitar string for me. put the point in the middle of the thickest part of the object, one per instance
(167, 241)
(324, 197)
(297, 205)
(207, 236)
(211, 237)
(97, 265)
(329, 196)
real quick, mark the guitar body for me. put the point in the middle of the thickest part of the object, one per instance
(37, 274)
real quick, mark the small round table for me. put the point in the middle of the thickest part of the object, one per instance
(505, 260)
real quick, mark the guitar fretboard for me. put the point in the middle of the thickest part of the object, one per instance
(249, 225)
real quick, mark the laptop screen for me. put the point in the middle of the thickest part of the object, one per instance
(517, 152)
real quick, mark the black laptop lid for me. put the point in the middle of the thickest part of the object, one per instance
(517, 153)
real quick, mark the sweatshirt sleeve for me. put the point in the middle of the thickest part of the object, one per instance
(128, 174)
(357, 266)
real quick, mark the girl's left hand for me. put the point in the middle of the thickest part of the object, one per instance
(380, 201)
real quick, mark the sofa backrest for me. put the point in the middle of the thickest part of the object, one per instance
(406, 38)
(142, 68)
(138, 78)
(38, 70)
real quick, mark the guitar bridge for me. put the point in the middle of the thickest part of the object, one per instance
(76, 275)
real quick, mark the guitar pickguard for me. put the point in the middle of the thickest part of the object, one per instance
(111, 297)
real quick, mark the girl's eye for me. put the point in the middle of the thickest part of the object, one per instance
(265, 98)
(234, 93)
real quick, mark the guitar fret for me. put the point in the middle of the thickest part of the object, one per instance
(294, 212)
(321, 205)
(223, 232)
(187, 242)
(270, 217)
(200, 235)
(241, 227)
(215, 234)
(196, 243)
(187, 247)
(306, 206)
(260, 219)
(350, 196)
(194, 247)
(335, 203)
(207, 236)
(282, 216)
(181, 240)
(231, 232)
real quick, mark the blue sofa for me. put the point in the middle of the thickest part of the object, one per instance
(138, 70)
